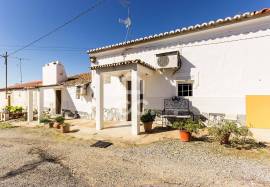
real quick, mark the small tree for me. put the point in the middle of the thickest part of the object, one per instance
(223, 131)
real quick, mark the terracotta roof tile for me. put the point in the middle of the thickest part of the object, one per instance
(31, 84)
(82, 78)
(127, 62)
(79, 79)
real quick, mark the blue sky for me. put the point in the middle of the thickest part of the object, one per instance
(25, 20)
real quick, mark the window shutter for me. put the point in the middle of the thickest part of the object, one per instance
(78, 92)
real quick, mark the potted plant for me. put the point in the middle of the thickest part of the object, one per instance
(186, 128)
(223, 131)
(47, 121)
(58, 122)
(147, 119)
(65, 127)
(51, 123)
(18, 111)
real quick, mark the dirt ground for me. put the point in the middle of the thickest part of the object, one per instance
(116, 130)
(45, 157)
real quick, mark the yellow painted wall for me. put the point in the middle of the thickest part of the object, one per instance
(258, 111)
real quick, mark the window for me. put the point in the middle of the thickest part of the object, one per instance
(78, 92)
(185, 89)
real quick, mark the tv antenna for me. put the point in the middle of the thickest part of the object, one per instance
(20, 67)
(127, 21)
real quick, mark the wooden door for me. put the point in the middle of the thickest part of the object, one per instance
(58, 101)
(129, 98)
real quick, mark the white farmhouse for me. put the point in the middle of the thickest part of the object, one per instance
(221, 67)
(56, 93)
(216, 65)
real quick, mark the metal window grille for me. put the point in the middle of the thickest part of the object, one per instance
(185, 90)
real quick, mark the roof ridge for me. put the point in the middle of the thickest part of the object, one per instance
(185, 30)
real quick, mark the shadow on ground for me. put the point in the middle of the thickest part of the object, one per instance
(43, 157)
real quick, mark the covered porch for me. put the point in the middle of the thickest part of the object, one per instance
(133, 72)
(43, 99)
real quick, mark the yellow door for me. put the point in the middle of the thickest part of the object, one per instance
(258, 111)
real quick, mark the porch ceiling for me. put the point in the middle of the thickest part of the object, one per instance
(123, 63)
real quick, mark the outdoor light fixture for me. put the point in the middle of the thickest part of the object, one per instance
(121, 77)
(93, 59)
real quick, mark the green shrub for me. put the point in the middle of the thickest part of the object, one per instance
(188, 125)
(227, 128)
(6, 126)
(60, 119)
(18, 109)
(223, 128)
(8, 108)
(148, 116)
(45, 120)
(14, 109)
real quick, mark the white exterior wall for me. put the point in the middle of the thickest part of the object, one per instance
(83, 105)
(18, 98)
(49, 99)
(115, 105)
(225, 64)
(69, 100)
(114, 99)
(53, 73)
(2, 99)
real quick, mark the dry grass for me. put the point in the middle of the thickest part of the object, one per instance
(4, 125)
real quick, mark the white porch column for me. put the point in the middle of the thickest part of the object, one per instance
(40, 103)
(99, 100)
(30, 105)
(135, 101)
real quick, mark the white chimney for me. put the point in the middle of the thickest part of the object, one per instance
(53, 73)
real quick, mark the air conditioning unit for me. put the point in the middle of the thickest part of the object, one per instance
(168, 60)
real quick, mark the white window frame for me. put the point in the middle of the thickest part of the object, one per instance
(185, 82)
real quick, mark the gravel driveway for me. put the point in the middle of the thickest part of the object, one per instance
(38, 157)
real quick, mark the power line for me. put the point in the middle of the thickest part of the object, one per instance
(6, 55)
(43, 47)
(98, 2)
(55, 50)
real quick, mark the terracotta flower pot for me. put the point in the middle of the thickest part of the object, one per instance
(184, 135)
(57, 125)
(225, 139)
(51, 125)
(65, 128)
(148, 126)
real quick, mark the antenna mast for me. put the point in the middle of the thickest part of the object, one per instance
(127, 21)
(20, 68)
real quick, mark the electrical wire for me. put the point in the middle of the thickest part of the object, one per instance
(43, 47)
(98, 3)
